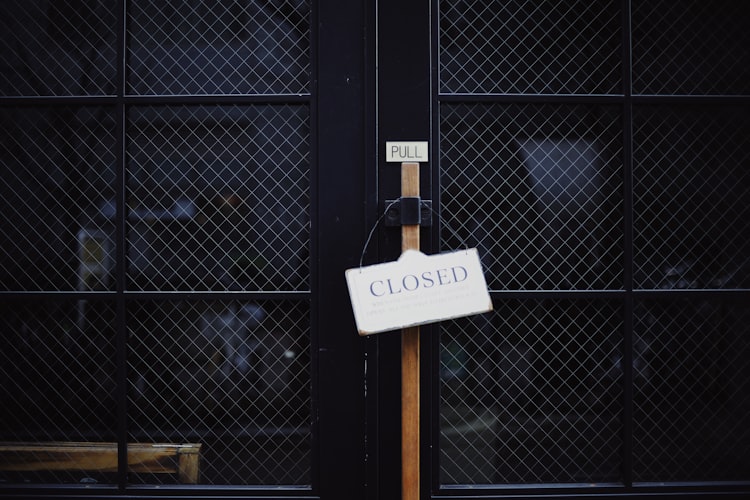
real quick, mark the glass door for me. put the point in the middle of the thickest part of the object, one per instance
(180, 183)
(604, 193)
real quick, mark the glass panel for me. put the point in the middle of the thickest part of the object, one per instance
(220, 47)
(692, 391)
(570, 47)
(537, 189)
(57, 48)
(233, 377)
(532, 393)
(57, 383)
(691, 184)
(691, 47)
(219, 198)
(55, 196)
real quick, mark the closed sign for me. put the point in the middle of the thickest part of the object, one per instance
(417, 289)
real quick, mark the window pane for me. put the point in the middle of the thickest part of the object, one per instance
(233, 377)
(537, 189)
(691, 186)
(570, 47)
(56, 196)
(57, 383)
(692, 391)
(57, 48)
(691, 47)
(220, 47)
(219, 198)
(532, 394)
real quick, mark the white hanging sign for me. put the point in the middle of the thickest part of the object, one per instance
(417, 289)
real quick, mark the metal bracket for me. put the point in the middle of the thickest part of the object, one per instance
(408, 210)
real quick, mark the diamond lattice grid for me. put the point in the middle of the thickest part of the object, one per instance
(538, 398)
(691, 395)
(57, 374)
(537, 189)
(219, 198)
(57, 48)
(691, 47)
(529, 47)
(691, 184)
(234, 377)
(58, 177)
(225, 47)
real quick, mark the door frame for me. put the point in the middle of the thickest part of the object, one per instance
(340, 120)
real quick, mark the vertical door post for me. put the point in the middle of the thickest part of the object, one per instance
(410, 411)
(403, 97)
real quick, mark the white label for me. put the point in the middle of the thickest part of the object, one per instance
(417, 289)
(399, 151)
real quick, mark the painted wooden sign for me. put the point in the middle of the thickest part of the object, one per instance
(417, 289)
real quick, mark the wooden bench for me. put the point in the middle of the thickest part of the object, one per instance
(152, 458)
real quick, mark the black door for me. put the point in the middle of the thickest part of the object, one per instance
(596, 155)
(182, 188)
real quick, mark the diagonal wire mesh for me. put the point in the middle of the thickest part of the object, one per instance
(696, 48)
(57, 381)
(57, 48)
(692, 219)
(692, 392)
(233, 376)
(537, 189)
(58, 172)
(531, 394)
(224, 47)
(530, 47)
(219, 198)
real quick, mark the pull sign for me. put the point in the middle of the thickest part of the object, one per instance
(417, 289)
(399, 151)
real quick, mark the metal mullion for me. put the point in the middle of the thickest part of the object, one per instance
(216, 295)
(557, 294)
(692, 294)
(533, 98)
(120, 250)
(433, 343)
(57, 100)
(691, 99)
(628, 306)
(56, 295)
(223, 99)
